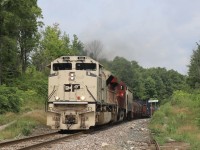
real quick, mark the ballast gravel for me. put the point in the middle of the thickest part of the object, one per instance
(132, 135)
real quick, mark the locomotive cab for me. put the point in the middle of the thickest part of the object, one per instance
(78, 94)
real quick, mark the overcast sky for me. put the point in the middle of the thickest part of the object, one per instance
(155, 33)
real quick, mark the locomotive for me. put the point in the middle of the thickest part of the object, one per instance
(82, 94)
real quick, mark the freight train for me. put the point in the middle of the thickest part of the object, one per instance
(82, 94)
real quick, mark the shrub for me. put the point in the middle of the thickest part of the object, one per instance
(9, 100)
(33, 81)
(158, 117)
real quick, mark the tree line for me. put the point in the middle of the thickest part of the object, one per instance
(27, 47)
(155, 83)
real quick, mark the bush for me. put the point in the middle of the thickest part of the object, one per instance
(26, 127)
(9, 100)
(33, 81)
(158, 117)
(179, 119)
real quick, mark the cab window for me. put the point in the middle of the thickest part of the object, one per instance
(62, 66)
(85, 66)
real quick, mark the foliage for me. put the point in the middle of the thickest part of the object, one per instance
(54, 44)
(25, 93)
(119, 68)
(9, 100)
(150, 88)
(8, 43)
(23, 125)
(156, 83)
(7, 117)
(194, 69)
(33, 83)
(18, 36)
(178, 119)
(27, 13)
(77, 47)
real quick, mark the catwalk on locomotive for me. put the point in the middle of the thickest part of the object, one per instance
(82, 94)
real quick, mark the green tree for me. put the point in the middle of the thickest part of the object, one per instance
(9, 100)
(54, 44)
(77, 46)
(194, 69)
(150, 88)
(137, 81)
(18, 36)
(8, 42)
(122, 69)
(27, 14)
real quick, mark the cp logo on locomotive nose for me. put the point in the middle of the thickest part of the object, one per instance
(71, 87)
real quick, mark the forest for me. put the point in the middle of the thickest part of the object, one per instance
(27, 46)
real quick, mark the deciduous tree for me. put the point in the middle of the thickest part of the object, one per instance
(8, 43)
(53, 44)
(194, 69)
(27, 13)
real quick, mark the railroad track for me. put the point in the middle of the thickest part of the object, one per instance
(157, 147)
(45, 140)
(37, 141)
(153, 144)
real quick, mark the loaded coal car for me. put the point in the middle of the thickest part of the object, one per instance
(81, 94)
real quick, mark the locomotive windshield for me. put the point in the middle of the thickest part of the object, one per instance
(85, 66)
(62, 66)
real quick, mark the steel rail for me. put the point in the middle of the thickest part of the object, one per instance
(156, 144)
(43, 144)
(52, 141)
(71, 136)
(12, 142)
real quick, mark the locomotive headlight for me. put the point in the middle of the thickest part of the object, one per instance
(82, 98)
(72, 76)
(57, 98)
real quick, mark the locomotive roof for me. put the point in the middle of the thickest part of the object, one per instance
(74, 58)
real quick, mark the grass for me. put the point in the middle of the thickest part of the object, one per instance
(8, 117)
(23, 125)
(31, 92)
(178, 120)
(31, 114)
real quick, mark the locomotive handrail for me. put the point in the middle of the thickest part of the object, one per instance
(50, 95)
(53, 91)
(90, 93)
